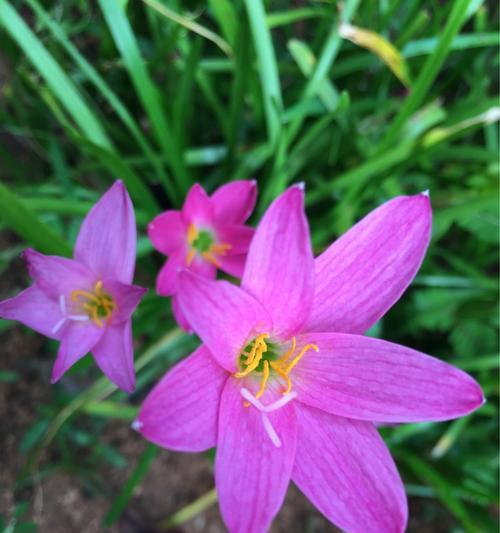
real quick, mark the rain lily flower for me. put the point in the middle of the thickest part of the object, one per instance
(206, 234)
(285, 384)
(86, 302)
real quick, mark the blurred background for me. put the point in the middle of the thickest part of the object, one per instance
(362, 101)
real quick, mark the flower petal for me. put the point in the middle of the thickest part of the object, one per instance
(126, 297)
(251, 473)
(237, 236)
(181, 412)
(371, 379)
(362, 274)
(197, 208)
(78, 339)
(346, 470)
(168, 232)
(34, 309)
(166, 282)
(114, 355)
(179, 317)
(107, 239)
(57, 276)
(280, 267)
(234, 202)
(222, 315)
(234, 265)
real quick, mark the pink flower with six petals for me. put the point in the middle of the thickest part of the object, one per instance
(285, 384)
(206, 234)
(87, 302)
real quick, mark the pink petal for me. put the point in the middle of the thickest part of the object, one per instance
(223, 316)
(107, 239)
(203, 268)
(166, 282)
(234, 202)
(178, 315)
(57, 276)
(197, 208)
(237, 236)
(234, 265)
(78, 339)
(181, 412)
(114, 355)
(345, 469)
(280, 267)
(251, 473)
(33, 309)
(126, 298)
(371, 379)
(168, 232)
(365, 271)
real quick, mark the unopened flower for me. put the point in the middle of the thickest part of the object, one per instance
(87, 302)
(285, 384)
(206, 234)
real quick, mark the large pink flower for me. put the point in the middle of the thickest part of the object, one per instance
(287, 387)
(86, 302)
(206, 234)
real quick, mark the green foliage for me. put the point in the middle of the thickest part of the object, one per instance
(163, 94)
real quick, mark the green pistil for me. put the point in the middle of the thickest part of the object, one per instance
(203, 241)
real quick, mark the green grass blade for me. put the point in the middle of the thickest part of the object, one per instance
(268, 68)
(59, 83)
(190, 25)
(428, 73)
(225, 14)
(94, 77)
(23, 221)
(141, 469)
(118, 23)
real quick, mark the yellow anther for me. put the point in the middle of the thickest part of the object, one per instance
(220, 248)
(98, 305)
(253, 358)
(265, 377)
(192, 233)
(299, 357)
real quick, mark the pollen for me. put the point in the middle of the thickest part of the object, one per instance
(259, 358)
(98, 305)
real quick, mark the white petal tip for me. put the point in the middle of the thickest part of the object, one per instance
(426, 193)
(136, 425)
(253, 182)
(301, 185)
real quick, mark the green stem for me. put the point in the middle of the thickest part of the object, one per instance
(190, 511)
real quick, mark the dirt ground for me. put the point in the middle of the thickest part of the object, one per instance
(58, 503)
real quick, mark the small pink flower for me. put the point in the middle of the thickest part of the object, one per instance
(285, 384)
(206, 234)
(87, 302)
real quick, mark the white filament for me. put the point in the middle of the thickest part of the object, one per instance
(264, 409)
(65, 316)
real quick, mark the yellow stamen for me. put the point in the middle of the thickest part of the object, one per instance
(220, 248)
(210, 258)
(98, 305)
(299, 357)
(265, 377)
(190, 257)
(253, 359)
(284, 375)
(192, 233)
(286, 355)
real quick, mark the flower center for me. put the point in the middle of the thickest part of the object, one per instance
(98, 305)
(262, 357)
(202, 242)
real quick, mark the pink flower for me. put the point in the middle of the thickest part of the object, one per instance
(207, 234)
(285, 384)
(86, 302)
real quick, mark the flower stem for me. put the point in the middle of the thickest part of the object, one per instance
(189, 511)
